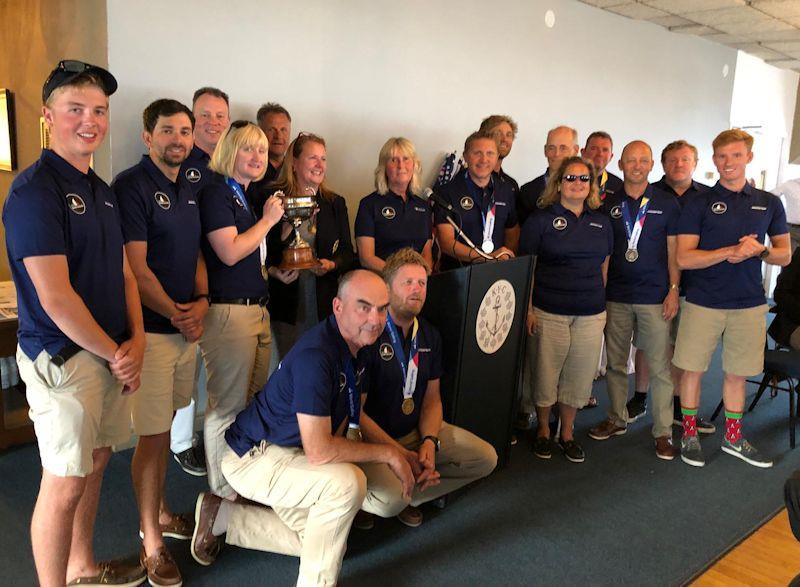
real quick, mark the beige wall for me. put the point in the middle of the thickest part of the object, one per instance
(36, 35)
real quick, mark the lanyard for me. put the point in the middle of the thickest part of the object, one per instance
(239, 196)
(634, 229)
(409, 368)
(353, 399)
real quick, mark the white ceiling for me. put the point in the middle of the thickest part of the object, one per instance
(768, 29)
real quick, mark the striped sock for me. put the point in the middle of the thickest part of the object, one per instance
(733, 426)
(689, 421)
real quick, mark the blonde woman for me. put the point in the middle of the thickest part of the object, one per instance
(236, 341)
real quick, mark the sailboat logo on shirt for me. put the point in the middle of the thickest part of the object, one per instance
(76, 203)
(342, 382)
(193, 174)
(540, 202)
(616, 212)
(388, 212)
(719, 207)
(162, 200)
(386, 351)
(560, 223)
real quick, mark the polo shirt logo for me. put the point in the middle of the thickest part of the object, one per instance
(467, 203)
(596, 225)
(386, 351)
(616, 212)
(655, 211)
(193, 175)
(342, 382)
(238, 202)
(162, 200)
(420, 209)
(719, 207)
(76, 203)
(560, 223)
(388, 212)
(540, 202)
(758, 208)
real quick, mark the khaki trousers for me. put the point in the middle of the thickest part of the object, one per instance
(235, 347)
(313, 507)
(652, 334)
(463, 458)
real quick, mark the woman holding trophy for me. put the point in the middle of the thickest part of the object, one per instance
(305, 263)
(236, 341)
(394, 216)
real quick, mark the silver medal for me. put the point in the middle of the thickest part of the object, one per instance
(487, 246)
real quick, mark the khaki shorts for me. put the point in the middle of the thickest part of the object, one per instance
(563, 355)
(167, 382)
(75, 409)
(743, 334)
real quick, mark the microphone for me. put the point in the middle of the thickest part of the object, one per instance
(437, 200)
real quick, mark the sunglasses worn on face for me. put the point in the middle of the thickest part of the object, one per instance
(572, 178)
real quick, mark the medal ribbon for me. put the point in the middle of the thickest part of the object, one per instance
(353, 399)
(634, 229)
(488, 217)
(409, 368)
(240, 197)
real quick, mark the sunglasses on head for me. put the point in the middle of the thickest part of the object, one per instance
(571, 178)
(240, 123)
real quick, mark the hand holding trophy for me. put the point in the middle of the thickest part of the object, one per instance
(297, 209)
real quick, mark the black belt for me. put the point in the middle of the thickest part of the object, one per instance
(240, 301)
(65, 354)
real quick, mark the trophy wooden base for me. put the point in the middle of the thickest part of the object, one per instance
(299, 258)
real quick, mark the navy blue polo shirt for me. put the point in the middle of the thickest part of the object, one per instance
(613, 185)
(646, 280)
(165, 215)
(506, 178)
(467, 200)
(394, 223)
(220, 208)
(195, 169)
(386, 383)
(720, 218)
(310, 380)
(570, 252)
(528, 198)
(55, 209)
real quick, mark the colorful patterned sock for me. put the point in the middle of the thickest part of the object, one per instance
(733, 426)
(689, 421)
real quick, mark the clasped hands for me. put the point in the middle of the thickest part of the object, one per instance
(748, 247)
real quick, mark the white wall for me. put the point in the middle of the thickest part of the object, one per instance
(764, 103)
(359, 71)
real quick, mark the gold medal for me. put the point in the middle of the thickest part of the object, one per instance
(408, 406)
(354, 434)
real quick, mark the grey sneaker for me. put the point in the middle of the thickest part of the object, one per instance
(691, 453)
(747, 452)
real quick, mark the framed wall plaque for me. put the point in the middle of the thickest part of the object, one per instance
(8, 154)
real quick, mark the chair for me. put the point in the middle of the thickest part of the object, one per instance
(779, 365)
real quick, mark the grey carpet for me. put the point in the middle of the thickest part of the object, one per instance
(621, 518)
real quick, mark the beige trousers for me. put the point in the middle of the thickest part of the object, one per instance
(652, 336)
(463, 458)
(312, 507)
(235, 347)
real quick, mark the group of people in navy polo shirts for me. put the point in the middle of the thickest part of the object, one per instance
(120, 289)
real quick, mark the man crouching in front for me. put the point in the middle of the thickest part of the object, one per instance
(288, 448)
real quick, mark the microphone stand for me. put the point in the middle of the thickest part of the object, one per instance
(467, 240)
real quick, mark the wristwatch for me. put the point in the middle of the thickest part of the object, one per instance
(434, 440)
(764, 254)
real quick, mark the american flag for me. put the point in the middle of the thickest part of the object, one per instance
(451, 165)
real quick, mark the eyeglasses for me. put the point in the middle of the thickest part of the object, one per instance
(573, 178)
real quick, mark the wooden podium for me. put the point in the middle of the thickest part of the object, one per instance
(480, 311)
